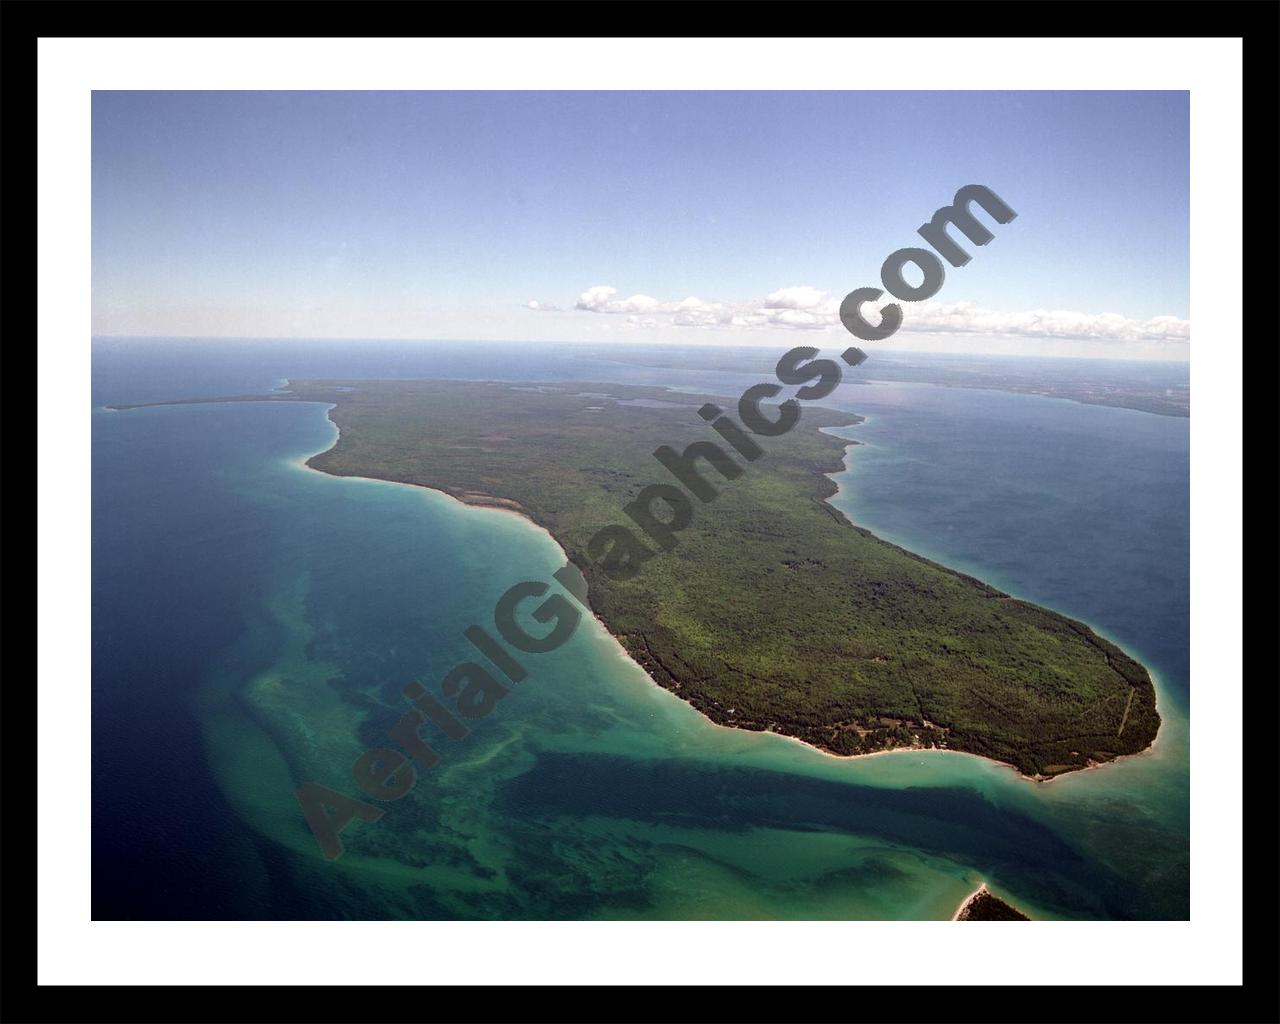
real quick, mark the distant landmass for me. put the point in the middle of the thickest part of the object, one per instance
(1155, 387)
(773, 611)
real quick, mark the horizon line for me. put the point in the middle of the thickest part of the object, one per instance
(1120, 357)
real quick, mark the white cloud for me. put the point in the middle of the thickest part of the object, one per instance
(599, 299)
(695, 312)
(798, 297)
(966, 318)
(541, 307)
(806, 308)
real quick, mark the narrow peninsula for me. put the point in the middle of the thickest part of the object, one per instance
(774, 611)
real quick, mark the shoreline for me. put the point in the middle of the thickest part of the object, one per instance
(1033, 779)
(968, 900)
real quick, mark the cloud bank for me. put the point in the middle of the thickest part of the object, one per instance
(805, 308)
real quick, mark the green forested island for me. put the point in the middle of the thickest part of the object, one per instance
(773, 611)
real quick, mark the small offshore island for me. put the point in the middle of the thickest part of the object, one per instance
(983, 905)
(774, 612)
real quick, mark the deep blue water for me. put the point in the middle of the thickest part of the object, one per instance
(196, 524)
(1081, 508)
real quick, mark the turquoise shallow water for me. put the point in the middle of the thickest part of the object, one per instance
(254, 621)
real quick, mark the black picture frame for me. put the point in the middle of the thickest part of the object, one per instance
(23, 22)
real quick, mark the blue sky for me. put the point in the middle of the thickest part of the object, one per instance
(447, 214)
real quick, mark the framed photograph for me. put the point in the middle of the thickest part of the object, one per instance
(546, 506)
